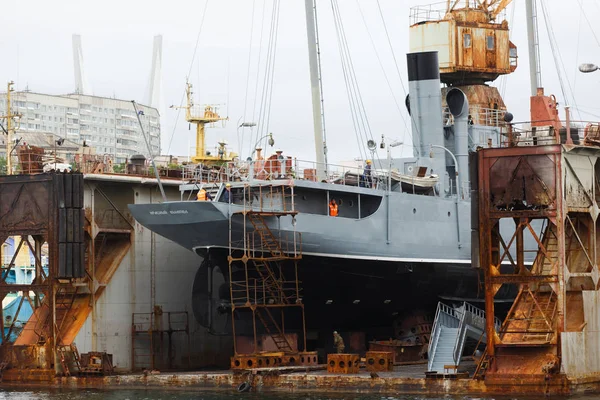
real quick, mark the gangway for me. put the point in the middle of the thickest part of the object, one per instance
(451, 328)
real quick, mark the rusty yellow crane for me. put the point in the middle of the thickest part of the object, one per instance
(201, 116)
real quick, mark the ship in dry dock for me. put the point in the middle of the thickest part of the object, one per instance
(400, 241)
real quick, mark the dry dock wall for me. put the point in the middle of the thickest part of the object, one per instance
(154, 273)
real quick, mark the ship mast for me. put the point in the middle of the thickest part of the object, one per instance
(200, 119)
(535, 75)
(314, 61)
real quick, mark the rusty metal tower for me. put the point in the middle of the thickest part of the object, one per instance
(548, 196)
(263, 271)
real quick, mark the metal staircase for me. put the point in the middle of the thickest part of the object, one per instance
(451, 328)
(273, 329)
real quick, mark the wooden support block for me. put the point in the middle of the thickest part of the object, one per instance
(450, 367)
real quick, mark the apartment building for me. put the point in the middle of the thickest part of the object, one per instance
(107, 124)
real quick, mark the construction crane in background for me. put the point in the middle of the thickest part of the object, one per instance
(200, 117)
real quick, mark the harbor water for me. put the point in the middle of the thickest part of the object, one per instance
(47, 394)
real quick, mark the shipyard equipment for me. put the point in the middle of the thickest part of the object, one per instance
(263, 275)
(472, 41)
(201, 117)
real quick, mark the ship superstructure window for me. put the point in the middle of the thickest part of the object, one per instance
(490, 43)
(467, 40)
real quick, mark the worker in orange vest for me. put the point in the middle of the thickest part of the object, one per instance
(201, 196)
(333, 208)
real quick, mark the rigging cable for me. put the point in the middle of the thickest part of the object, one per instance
(504, 78)
(358, 122)
(387, 34)
(267, 90)
(262, 25)
(241, 141)
(558, 62)
(265, 77)
(578, 46)
(357, 133)
(188, 76)
(276, 33)
(589, 23)
(353, 81)
(381, 65)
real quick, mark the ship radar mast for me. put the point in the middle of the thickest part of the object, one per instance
(200, 116)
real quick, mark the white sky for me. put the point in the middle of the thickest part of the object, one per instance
(117, 44)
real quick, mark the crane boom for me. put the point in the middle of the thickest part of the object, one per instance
(492, 7)
(501, 6)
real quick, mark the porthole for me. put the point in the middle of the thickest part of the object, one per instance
(448, 213)
(350, 203)
(340, 202)
(414, 210)
(303, 197)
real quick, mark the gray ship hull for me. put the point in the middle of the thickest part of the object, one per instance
(422, 228)
(353, 275)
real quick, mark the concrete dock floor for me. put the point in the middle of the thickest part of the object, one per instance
(405, 379)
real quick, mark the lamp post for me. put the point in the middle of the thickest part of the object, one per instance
(243, 125)
(271, 142)
(588, 67)
(389, 160)
(457, 190)
(453, 158)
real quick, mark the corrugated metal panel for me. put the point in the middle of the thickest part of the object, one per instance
(580, 349)
(69, 192)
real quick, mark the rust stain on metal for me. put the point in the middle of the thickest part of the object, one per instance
(547, 325)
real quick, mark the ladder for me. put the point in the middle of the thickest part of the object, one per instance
(273, 330)
(268, 240)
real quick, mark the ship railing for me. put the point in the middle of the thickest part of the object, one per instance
(583, 132)
(287, 246)
(197, 173)
(437, 11)
(478, 116)
(281, 169)
(429, 12)
(260, 291)
(340, 174)
(470, 316)
(266, 197)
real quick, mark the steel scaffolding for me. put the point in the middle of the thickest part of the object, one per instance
(264, 247)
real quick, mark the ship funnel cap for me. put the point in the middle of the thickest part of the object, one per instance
(423, 66)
